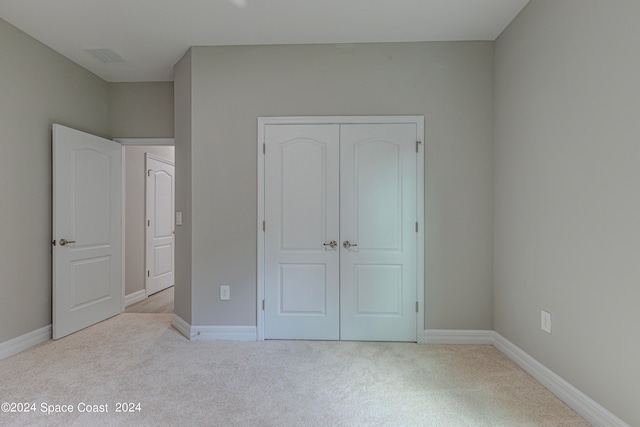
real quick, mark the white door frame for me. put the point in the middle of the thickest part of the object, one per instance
(123, 142)
(419, 122)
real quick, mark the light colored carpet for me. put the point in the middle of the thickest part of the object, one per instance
(141, 358)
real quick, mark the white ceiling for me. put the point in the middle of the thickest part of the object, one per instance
(152, 35)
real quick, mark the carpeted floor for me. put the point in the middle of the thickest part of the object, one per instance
(140, 358)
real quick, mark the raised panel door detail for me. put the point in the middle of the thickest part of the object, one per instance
(303, 220)
(90, 197)
(162, 260)
(378, 195)
(378, 290)
(163, 225)
(303, 289)
(89, 281)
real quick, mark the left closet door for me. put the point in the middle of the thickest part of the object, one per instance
(302, 271)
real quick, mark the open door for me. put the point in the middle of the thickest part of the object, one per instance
(160, 208)
(87, 230)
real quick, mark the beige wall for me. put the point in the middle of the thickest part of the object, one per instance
(567, 186)
(135, 218)
(38, 87)
(451, 84)
(141, 110)
(183, 94)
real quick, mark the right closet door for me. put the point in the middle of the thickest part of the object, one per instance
(378, 232)
(361, 195)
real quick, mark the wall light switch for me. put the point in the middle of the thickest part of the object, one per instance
(545, 321)
(178, 218)
(225, 292)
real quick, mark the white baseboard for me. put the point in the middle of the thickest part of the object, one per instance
(134, 297)
(23, 342)
(447, 336)
(224, 333)
(181, 326)
(589, 409)
(586, 407)
(214, 333)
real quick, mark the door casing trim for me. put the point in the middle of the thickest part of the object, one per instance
(341, 120)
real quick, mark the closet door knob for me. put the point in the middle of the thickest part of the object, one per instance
(332, 244)
(346, 244)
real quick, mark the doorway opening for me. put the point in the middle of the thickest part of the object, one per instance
(149, 224)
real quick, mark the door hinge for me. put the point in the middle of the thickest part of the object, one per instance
(416, 226)
(264, 148)
(148, 222)
(416, 306)
(262, 305)
(149, 172)
(148, 274)
(264, 225)
(418, 145)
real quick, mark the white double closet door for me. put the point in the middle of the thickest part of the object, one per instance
(340, 238)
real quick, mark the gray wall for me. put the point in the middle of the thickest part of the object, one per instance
(141, 110)
(451, 84)
(135, 218)
(183, 123)
(567, 186)
(38, 87)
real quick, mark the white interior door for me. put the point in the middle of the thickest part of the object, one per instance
(160, 208)
(301, 214)
(87, 230)
(378, 232)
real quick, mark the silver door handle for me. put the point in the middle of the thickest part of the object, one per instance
(65, 242)
(331, 244)
(346, 244)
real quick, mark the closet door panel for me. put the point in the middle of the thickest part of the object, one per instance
(378, 236)
(302, 218)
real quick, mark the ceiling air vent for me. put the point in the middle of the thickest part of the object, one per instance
(106, 56)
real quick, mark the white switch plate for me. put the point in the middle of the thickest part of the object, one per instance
(545, 321)
(178, 218)
(225, 293)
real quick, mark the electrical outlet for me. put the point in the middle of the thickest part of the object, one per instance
(545, 321)
(225, 292)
